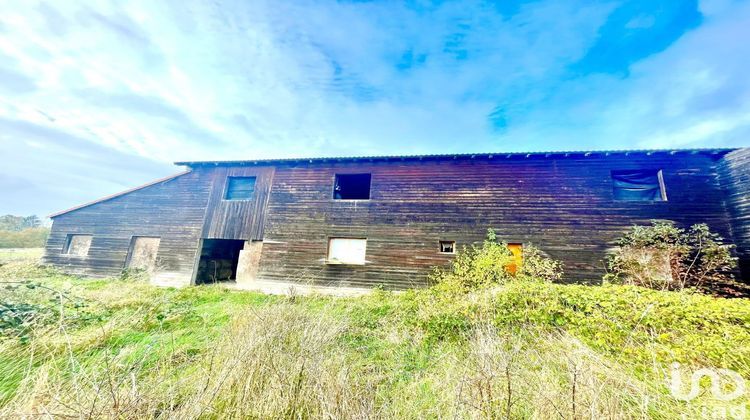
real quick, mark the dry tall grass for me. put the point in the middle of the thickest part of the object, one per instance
(155, 353)
(275, 362)
(284, 362)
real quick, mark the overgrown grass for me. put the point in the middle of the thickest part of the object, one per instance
(124, 349)
(20, 254)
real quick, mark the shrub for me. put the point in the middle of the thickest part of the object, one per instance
(27, 238)
(663, 256)
(529, 349)
(494, 263)
(536, 265)
(28, 306)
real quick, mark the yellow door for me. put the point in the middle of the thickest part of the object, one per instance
(517, 250)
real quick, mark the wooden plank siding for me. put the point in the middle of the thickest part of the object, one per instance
(562, 204)
(241, 219)
(735, 174)
(173, 210)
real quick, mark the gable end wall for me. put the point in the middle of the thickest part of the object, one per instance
(173, 210)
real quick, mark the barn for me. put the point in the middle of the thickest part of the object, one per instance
(353, 223)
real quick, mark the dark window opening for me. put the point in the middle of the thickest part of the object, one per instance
(240, 188)
(638, 185)
(352, 187)
(447, 247)
(219, 260)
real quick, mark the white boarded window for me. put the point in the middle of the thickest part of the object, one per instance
(347, 251)
(77, 245)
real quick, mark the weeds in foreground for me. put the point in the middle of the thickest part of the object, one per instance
(281, 361)
(519, 350)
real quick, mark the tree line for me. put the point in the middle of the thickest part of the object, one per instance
(22, 231)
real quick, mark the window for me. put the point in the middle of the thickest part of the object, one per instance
(240, 188)
(346, 251)
(77, 245)
(517, 251)
(447, 247)
(638, 185)
(352, 187)
(142, 253)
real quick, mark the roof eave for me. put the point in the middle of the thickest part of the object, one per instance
(120, 194)
(711, 151)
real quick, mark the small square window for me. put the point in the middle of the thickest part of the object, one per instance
(352, 187)
(240, 188)
(349, 251)
(447, 247)
(77, 245)
(638, 185)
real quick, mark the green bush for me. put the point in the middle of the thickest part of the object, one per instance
(490, 264)
(27, 238)
(523, 349)
(635, 323)
(27, 306)
(448, 309)
(664, 257)
(631, 323)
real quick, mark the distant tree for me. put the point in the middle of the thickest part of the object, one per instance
(22, 232)
(13, 223)
(30, 222)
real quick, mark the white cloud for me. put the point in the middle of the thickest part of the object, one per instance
(166, 81)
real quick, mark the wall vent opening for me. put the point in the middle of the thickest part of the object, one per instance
(447, 247)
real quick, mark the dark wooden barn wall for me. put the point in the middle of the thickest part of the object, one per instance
(735, 170)
(173, 210)
(563, 205)
(236, 219)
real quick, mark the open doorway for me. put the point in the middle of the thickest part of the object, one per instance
(219, 260)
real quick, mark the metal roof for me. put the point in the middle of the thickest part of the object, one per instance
(557, 154)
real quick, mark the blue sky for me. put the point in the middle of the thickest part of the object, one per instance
(99, 96)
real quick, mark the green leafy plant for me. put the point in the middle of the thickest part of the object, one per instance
(528, 349)
(663, 256)
(494, 263)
